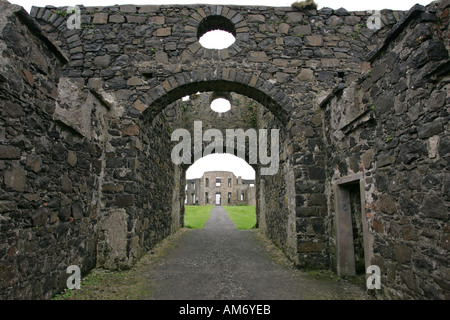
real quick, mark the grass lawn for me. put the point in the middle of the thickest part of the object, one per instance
(244, 217)
(195, 217)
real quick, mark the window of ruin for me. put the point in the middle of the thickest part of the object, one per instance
(207, 182)
(206, 197)
(220, 105)
(229, 182)
(220, 102)
(216, 32)
(229, 197)
(218, 182)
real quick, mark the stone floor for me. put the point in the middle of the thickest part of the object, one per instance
(217, 262)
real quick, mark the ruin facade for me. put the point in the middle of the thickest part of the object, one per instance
(220, 188)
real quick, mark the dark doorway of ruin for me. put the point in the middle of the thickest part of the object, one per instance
(356, 214)
(350, 231)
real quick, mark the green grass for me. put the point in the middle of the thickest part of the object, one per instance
(195, 217)
(244, 217)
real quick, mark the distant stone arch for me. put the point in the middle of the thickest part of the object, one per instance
(223, 80)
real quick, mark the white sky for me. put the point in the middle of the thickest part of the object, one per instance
(228, 162)
(221, 162)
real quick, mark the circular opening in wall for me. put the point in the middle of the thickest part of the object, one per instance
(220, 105)
(216, 32)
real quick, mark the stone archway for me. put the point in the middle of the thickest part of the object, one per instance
(162, 180)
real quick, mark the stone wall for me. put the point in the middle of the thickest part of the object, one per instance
(388, 133)
(49, 186)
(276, 198)
(141, 185)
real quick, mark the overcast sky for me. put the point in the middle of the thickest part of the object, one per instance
(227, 162)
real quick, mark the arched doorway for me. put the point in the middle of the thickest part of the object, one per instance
(193, 117)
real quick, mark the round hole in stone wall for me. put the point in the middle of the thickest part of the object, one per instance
(216, 32)
(220, 105)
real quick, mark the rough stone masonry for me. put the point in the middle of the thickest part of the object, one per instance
(86, 117)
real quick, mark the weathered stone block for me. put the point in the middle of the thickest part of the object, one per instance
(15, 179)
(148, 9)
(157, 20)
(383, 104)
(386, 204)
(293, 42)
(434, 207)
(128, 9)
(140, 106)
(124, 200)
(402, 253)
(136, 19)
(294, 17)
(7, 206)
(385, 158)
(34, 162)
(102, 61)
(112, 188)
(283, 28)
(430, 129)
(352, 20)
(9, 152)
(161, 57)
(258, 56)
(302, 30)
(314, 41)
(306, 75)
(256, 17)
(66, 183)
(71, 158)
(116, 18)
(306, 247)
(131, 130)
(378, 71)
(12, 110)
(163, 32)
(330, 63)
(112, 245)
(100, 18)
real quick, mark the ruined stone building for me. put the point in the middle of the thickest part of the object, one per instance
(220, 188)
(90, 99)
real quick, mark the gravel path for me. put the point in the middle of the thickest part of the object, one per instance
(219, 262)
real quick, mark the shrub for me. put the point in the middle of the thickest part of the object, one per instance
(304, 5)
